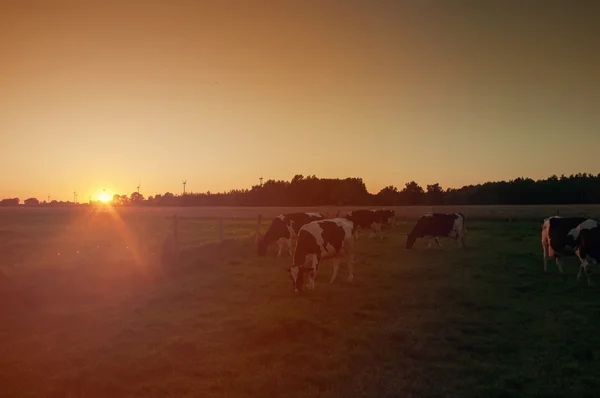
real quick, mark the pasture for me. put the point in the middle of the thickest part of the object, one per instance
(86, 311)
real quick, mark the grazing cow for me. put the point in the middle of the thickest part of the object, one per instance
(283, 228)
(438, 225)
(365, 219)
(555, 231)
(588, 247)
(322, 240)
(572, 235)
(386, 217)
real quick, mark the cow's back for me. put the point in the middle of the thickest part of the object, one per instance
(298, 220)
(439, 224)
(362, 218)
(558, 228)
(324, 238)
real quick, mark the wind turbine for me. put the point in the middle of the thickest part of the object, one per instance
(261, 179)
(138, 187)
(184, 182)
(74, 196)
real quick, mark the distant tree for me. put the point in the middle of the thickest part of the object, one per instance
(312, 191)
(435, 194)
(10, 202)
(31, 202)
(136, 198)
(413, 194)
(388, 196)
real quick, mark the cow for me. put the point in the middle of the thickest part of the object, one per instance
(283, 228)
(365, 219)
(571, 235)
(555, 231)
(322, 240)
(436, 225)
(386, 217)
(588, 248)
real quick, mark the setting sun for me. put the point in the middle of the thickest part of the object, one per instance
(104, 197)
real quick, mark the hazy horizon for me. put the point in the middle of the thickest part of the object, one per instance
(106, 96)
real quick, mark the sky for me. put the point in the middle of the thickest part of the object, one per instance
(109, 94)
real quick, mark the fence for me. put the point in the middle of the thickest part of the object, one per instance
(48, 237)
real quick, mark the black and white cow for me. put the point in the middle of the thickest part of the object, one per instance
(555, 231)
(322, 240)
(436, 225)
(283, 228)
(386, 217)
(588, 248)
(568, 236)
(365, 219)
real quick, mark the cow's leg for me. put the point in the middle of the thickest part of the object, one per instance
(375, 229)
(584, 265)
(438, 242)
(311, 279)
(351, 267)
(336, 268)
(545, 250)
(289, 243)
(558, 264)
(280, 246)
(590, 281)
(583, 257)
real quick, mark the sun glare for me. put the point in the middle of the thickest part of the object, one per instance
(104, 197)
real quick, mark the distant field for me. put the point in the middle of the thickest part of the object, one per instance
(50, 236)
(102, 319)
(402, 212)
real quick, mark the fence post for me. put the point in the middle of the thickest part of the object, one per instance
(557, 213)
(258, 224)
(220, 230)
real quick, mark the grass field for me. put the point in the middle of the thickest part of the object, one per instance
(102, 319)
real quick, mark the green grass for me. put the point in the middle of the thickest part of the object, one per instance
(485, 321)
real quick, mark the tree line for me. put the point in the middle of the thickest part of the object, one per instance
(580, 188)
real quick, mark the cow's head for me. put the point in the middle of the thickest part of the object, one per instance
(297, 271)
(410, 240)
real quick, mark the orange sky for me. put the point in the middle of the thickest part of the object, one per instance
(104, 94)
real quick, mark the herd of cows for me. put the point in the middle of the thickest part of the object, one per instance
(320, 238)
